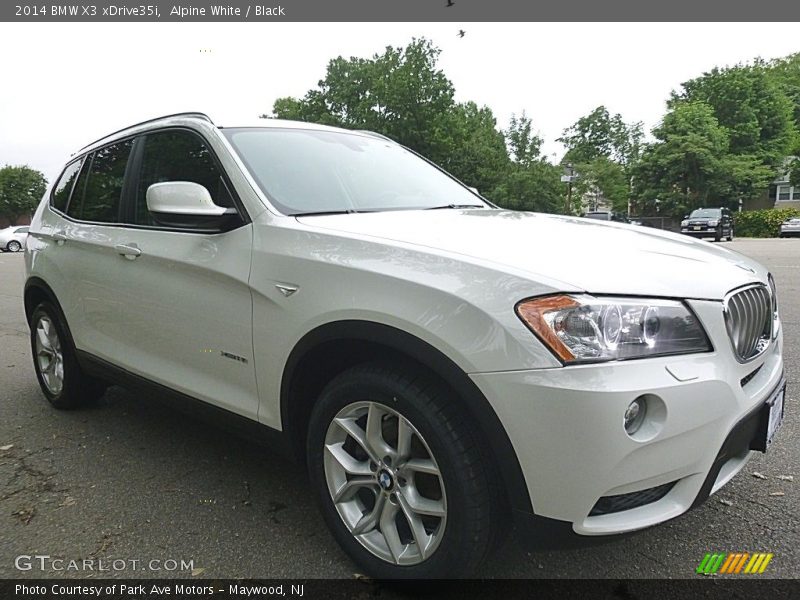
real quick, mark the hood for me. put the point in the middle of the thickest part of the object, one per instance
(595, 256)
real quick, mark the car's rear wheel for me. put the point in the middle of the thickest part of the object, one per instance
(63, 382)
(400, 475)
(730, 235)
(14, 246)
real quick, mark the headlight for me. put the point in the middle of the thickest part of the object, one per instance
(774, 294)
(588, 329)
(684, 223)
(713, 223)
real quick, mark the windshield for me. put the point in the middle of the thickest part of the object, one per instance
(305, 171)
(704, 213)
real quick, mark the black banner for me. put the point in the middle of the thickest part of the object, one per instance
(747, 586)
(399, 10)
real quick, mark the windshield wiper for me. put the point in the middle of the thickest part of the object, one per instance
(455, 206)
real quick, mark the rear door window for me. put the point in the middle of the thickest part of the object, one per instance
(98, 191)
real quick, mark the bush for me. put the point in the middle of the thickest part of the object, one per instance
(762, 223)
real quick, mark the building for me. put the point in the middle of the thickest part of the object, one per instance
(781, 194)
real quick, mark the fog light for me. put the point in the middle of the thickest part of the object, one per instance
(634, 416)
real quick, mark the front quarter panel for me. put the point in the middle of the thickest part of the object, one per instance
(464, 310)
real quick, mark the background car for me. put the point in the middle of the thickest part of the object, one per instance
(606, 215)
(709, 222)
(790, 227)
(12, 239)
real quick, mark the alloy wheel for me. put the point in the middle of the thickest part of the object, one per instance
(385, 483)
(49, 357)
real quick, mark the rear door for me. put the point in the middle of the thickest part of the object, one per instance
(182, 300)
(84, 253)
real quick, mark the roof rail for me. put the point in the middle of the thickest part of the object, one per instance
(181, 114)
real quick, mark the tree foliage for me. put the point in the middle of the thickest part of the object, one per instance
(601, 134)
(603, 149)
(725, 137)
(785, 73)
(21, 189)
(762, 223)
(401, 93)
(751, 105)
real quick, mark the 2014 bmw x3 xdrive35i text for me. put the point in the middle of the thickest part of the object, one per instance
(442, 366)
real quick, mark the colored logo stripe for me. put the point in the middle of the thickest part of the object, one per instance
(734, 562)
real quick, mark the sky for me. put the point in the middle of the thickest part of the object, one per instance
(66, 84)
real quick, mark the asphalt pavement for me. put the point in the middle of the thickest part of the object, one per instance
(134, 482)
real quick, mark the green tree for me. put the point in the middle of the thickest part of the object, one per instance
(529, 182)
(470, 146)
(607, 177)
(524, 144)
(21, 189)
(535, 187)
(785, 73)
(752, 106)
(603, 150)
(400, 93)
(682, 168)
(601, 134)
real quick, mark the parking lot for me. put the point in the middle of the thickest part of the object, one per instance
(132, 480)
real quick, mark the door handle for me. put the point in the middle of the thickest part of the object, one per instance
(60, 237)
(129, 251)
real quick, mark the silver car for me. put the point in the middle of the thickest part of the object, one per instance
(790, 227)
(12, 239)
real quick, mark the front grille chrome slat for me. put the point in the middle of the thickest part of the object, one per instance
(748, 318)
(750, 323)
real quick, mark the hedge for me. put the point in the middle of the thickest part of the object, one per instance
(762, 223)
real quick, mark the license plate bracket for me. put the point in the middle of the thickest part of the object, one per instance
(771, 419)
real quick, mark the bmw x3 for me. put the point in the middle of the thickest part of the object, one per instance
(443, 368)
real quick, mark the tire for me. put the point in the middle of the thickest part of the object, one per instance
(63, 382)
(13, 246)
(730, 235)
(456, 490)
(718, 235)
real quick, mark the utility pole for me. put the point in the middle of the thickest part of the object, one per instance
(568, 205)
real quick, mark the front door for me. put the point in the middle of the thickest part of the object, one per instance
(185, 308)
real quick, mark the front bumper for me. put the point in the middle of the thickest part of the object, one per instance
(704, 232)
(566, 425)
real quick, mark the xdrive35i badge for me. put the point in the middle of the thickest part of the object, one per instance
(241, 359)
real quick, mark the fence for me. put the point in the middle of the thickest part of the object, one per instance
(666, 223)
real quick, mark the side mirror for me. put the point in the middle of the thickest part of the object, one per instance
(685, 216)
(187, 205)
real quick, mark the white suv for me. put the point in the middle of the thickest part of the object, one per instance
(443, 367)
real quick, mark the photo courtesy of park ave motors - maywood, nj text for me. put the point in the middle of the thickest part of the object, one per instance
(293, 301)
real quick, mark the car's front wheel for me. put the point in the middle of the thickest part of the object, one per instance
(62, 381)
(400, 475)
